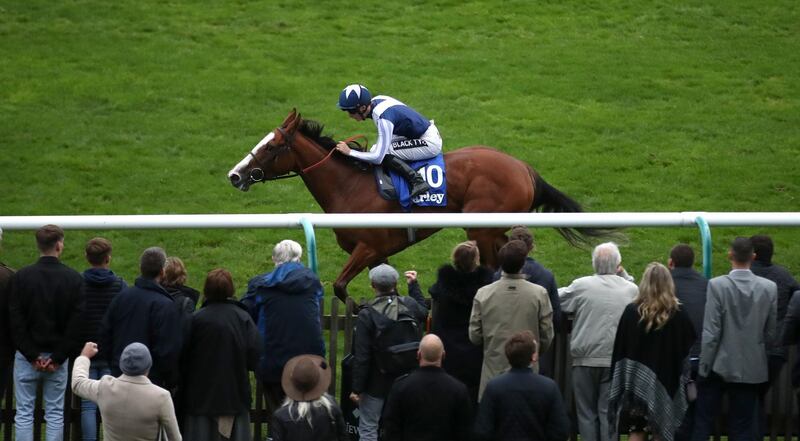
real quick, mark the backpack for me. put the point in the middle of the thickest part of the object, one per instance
(397, 338)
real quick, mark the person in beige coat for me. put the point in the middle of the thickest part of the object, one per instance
(505, 307)
(133, 409)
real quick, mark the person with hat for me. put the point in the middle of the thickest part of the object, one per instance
(371, 383)
(403, 134)
(132, 408)
(308, 413)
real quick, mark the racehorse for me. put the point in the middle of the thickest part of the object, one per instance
(480, 179)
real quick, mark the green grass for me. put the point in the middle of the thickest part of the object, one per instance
(143, 107)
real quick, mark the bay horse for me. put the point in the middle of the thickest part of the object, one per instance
(480, 179)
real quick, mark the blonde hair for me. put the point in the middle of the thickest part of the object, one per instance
(174, 272)
(656, 298)
(466, 256)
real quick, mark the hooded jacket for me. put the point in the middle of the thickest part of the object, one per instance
(285, 305)
(100, 285)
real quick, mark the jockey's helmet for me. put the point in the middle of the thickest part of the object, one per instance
(353, 96)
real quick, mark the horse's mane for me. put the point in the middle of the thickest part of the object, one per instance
(313, 130)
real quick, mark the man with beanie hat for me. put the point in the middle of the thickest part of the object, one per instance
(132, 407)
(371, 383)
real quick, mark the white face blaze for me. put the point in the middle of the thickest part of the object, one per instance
(237, 170)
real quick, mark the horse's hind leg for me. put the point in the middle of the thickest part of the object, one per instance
(361, 257)
(489, 240)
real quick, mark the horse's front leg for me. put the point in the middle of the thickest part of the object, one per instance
(361, 257)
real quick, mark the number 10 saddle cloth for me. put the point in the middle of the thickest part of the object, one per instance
(393, 186)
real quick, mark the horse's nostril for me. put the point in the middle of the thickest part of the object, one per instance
(235, 178)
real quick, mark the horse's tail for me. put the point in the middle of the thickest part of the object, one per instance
(548, 199)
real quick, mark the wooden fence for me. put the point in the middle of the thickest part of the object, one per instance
(782, 413)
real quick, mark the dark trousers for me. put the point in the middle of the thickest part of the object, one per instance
(684, 432)
(547, 363)
(273, 399)
(6, 368)
(743, 406)
(798, 405)
(774, 366)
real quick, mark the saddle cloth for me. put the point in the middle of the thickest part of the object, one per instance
(393, 186)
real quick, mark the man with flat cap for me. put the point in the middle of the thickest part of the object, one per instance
(133, 408)
(371, 379)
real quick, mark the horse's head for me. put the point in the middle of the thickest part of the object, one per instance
(270, 158)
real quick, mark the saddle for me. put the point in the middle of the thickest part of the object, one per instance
(392, 186)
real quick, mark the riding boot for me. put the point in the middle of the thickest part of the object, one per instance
(418, 184)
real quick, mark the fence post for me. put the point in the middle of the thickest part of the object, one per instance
(333, 343)
(348, 325)
(311, 243)
(705, 237)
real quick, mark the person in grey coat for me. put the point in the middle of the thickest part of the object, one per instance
(598, 302)
(739, 326)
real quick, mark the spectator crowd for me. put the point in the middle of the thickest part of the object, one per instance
(159, 360)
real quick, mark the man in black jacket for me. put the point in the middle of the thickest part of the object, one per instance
(427, 404)
(791, 335)
(6, 344)
(777, 355)
(370, 385)
(46, 309)
(145, 313)
(690, 288)
(521, 404)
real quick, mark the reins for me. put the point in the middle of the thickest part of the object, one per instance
(289, 140)
(323, 160)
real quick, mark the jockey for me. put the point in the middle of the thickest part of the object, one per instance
(403, 134)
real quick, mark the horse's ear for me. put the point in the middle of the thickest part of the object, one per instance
(289, 118)
(292, 126)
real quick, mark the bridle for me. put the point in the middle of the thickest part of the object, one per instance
(257, 173)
